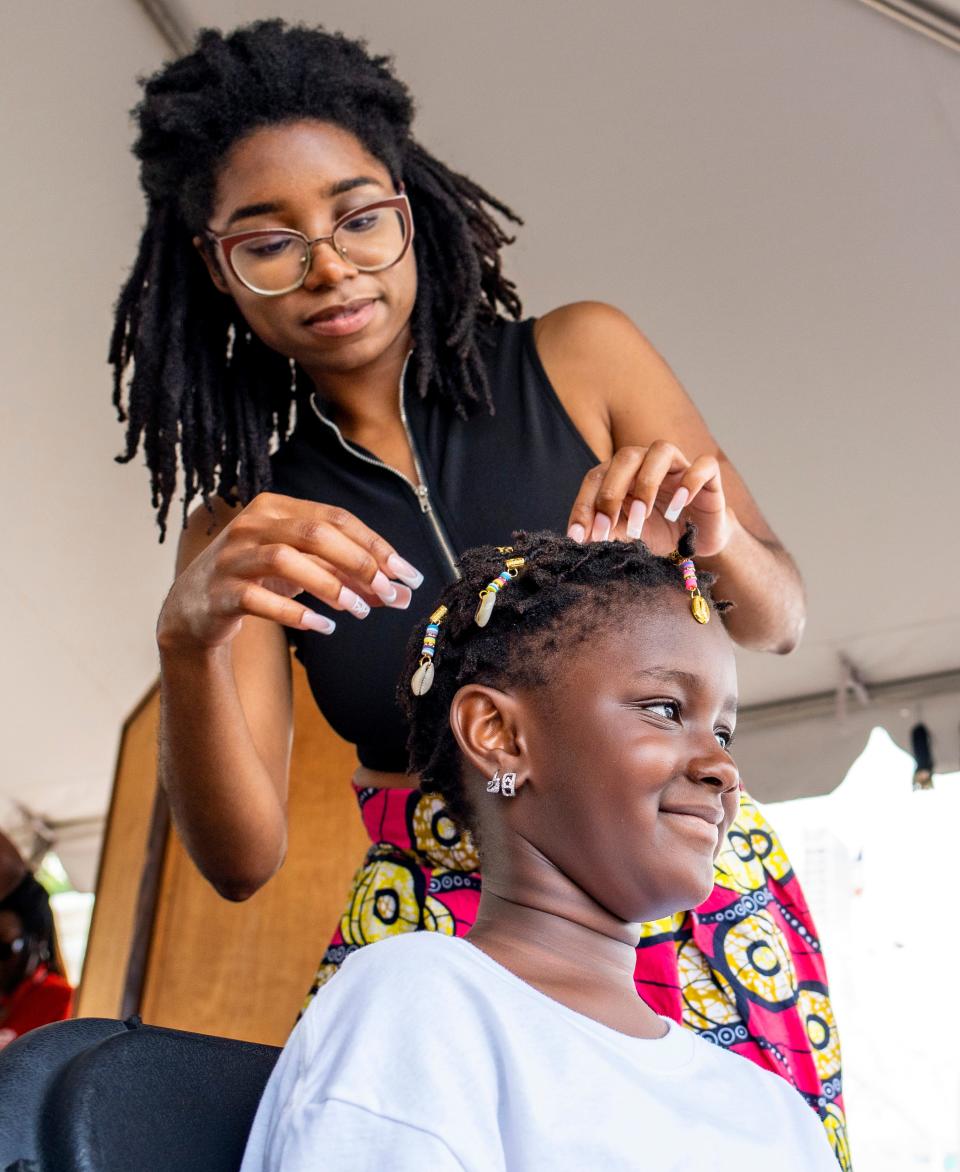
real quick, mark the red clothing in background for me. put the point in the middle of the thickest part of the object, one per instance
(40, 999)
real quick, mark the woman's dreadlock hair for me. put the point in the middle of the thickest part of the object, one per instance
(200, 379)
(563, 594)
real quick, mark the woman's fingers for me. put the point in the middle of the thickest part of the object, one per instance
(637, 480)
(582, 514)
(602, 492)
(352, 549)
(253, 599)
(702, 483)
(264, 563)
(614, 489)
(627, 483)
(663, 462)
(334, 534)
(400, 595)
(276, 548)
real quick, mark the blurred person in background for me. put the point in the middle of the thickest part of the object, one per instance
(33, 988)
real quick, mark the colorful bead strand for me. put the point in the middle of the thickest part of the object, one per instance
(698, 604)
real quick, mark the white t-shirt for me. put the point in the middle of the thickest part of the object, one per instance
(424, 1055)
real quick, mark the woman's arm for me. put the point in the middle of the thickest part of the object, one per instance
(630, 409)
(225, 732)
(225, 691)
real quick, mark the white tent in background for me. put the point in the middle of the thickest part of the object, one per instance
(770, 190)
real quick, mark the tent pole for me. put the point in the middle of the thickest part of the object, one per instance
(174, 26)
(923, 17)
(823, 704)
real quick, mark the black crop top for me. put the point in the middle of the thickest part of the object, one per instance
(484, 476)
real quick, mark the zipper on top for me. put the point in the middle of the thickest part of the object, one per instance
(420, 491)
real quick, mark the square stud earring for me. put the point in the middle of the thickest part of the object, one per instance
(508, 785)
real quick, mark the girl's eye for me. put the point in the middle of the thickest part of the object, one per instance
(666, 708)
(724, 737)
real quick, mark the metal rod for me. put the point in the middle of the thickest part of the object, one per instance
(823, 704)
(175, 27)
(932, 20)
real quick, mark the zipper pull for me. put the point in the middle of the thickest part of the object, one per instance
(424, 494)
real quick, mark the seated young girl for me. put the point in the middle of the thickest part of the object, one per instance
(578, 724)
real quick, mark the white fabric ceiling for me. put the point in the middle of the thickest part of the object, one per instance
(770, 188)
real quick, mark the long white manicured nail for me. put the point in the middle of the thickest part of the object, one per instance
(353, 603)
(635, 519)
(680, 498)
(601, 528)
(402, 601)
(404, 571)
(312, 621)
(383, 587)
(577, 532)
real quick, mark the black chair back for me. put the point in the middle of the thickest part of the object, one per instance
(28, 1066)
(149, 1099)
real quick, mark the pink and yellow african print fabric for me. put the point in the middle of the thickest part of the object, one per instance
(744, 970)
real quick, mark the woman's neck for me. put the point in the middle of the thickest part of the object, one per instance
(365, 398)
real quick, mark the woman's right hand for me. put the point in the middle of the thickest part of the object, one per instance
(271, 551)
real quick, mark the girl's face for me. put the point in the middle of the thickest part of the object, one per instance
(305, 176)
(629, 785)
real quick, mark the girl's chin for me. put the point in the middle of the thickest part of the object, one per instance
(684, 896)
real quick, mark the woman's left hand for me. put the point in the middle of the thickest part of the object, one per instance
(651, 493)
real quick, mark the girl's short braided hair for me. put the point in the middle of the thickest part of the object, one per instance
(563, 595)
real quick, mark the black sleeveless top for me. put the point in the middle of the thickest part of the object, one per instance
(483, 478)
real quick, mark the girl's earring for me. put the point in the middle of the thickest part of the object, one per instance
(506, 785)
(293, 377)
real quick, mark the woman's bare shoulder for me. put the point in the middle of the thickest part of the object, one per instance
(599, 362)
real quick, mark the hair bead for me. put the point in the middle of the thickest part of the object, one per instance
(699, 607)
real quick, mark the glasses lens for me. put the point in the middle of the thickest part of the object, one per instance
(271, 262)
(373, 238)
(11, 948)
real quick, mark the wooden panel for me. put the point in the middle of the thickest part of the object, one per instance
(121, 863)
(242, 970)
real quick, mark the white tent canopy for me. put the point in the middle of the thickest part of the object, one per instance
(769, 189)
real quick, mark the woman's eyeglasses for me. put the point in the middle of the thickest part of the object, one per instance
(371, 239)
(11, 948)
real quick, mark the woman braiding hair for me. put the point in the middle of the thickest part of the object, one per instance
(317, 343)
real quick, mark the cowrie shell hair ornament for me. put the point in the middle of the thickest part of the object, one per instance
(422, 680)
(488, 595)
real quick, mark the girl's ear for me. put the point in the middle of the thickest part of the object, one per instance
(213, 266)
(489, 728)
